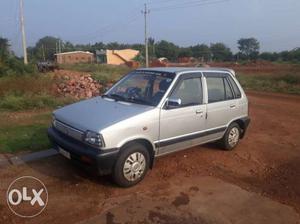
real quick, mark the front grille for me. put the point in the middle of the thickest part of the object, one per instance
(68, 130)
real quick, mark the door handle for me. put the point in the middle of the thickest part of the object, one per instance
(232, 106)
(199, 112)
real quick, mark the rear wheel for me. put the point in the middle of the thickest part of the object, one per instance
(231, 137)
(132, 165)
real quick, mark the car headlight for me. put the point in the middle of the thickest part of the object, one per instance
(93, 138)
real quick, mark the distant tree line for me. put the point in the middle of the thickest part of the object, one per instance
(249, 49)
(46, 47)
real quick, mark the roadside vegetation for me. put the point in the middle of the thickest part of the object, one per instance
(103, 73)
(283, 83)
(24, 131)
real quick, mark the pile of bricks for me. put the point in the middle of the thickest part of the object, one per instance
(78, 86)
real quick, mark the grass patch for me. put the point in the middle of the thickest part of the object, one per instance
(26, 84)
(15, 102)
(287, 83)
(29, 92)
(24, 132)
(100, 72)
(108, 69)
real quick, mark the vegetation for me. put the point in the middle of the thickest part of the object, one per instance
(103, 73)
(9, 63)
(281, 83)
(28, 92)
(24, 131)
(248, 50)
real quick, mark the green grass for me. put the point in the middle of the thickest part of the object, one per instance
(29, 92)
(15, 102)
(26, 132)
(286, 83)
(102, 73)
(109, 69)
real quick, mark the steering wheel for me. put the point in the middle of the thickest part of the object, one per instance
(134, 92)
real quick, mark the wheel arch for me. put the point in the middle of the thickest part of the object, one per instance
(243, 124)
(149, 146)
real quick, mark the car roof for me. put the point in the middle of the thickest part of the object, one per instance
(187, 69)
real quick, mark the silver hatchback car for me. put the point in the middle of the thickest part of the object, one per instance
(150, 113)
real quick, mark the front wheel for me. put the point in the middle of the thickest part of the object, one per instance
(132, 165)
(231, 137)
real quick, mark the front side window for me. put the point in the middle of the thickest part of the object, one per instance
(215, 89)
(189, 91)
(142, 87)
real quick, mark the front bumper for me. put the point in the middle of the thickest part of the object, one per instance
(101, 160)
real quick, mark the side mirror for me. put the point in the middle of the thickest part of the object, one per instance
(173, 103)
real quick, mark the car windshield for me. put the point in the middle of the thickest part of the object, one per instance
(142, 87)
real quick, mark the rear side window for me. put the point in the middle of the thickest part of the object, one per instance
(218, 89)
(189, 91)
(235, 88)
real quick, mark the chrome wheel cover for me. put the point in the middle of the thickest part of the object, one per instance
(233, 136)
(134, 166)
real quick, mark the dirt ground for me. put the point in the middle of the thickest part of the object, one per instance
(266, 162)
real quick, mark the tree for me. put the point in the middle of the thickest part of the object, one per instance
(220, 52)
(4, 48)
(185, 52)
(201, 51)
(45, 46)
(269, 56)
(167, 49)
(151, 46)
(249, 48)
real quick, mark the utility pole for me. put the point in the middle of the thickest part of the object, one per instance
(59, 46)
(43, 51)
(23, 32)
(146, 12)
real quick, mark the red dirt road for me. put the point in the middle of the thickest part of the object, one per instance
(267, 162)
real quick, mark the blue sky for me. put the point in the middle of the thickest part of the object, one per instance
(275, 23)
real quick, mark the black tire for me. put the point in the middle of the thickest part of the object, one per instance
(225, 141)
(130, 149)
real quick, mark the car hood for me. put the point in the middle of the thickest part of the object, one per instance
(98, 113)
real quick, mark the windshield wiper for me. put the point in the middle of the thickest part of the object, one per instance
(115, 97)
(140, 101)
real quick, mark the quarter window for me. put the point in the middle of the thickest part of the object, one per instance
(189, 91)
(228, 92)
(236, 90)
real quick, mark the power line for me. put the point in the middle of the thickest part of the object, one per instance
(188, 5)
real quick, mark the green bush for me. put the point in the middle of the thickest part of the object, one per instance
(14, 66)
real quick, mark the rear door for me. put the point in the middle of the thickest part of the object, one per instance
(180, 126)
(222, 106)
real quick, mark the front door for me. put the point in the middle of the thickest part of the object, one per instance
(181, 126)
